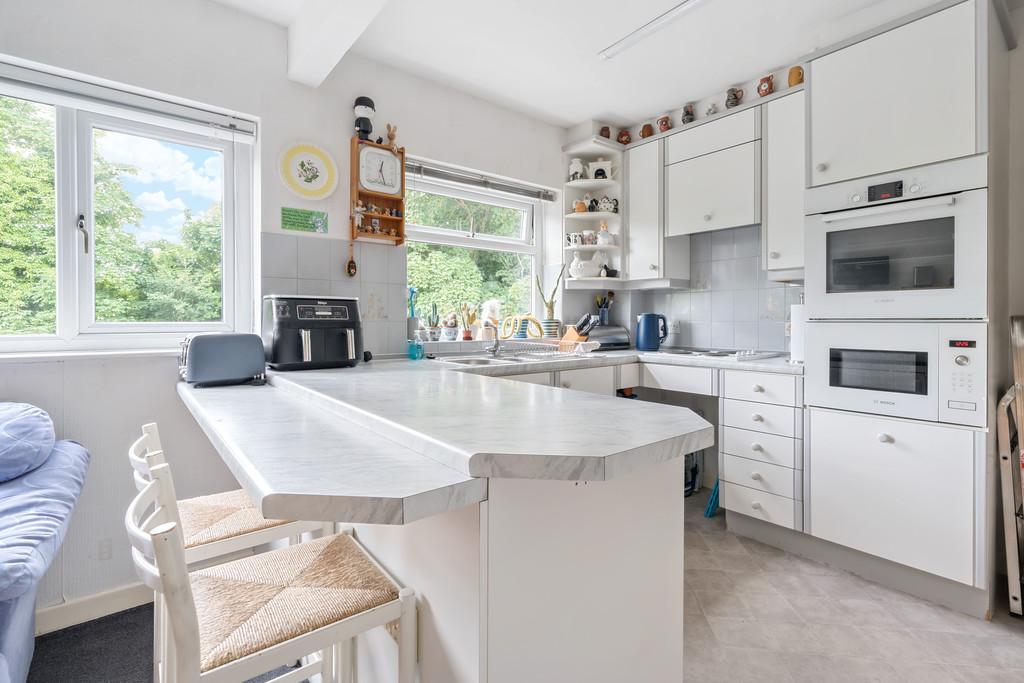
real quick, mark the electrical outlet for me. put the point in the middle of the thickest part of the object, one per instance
(105, 550)
(675, 327)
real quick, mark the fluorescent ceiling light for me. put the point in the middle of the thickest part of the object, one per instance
(647, 29)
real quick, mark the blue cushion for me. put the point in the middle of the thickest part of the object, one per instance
(26, 439)
(35, 510)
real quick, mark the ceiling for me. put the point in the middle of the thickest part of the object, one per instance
(540, 56)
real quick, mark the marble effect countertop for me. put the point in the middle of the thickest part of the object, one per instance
(297, 461)
(487, 428)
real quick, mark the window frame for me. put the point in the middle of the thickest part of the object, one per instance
(76, 328)
(529, 245)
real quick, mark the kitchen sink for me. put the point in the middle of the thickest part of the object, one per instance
(477, 360)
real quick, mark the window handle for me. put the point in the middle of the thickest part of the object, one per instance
(81, 229)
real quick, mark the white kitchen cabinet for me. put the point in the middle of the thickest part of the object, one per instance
(682, 378)
(762, 417)
(629, 376)
(761, 387)
(783, 178)
(900, 99)
(714, 191)
(770, 448)
(650, 255)
(704, 138)
(593, 380)
(765, 506)
(533, 378)
(755, 474)
(897, 489)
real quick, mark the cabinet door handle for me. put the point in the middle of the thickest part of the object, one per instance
(755, 505)
(821, 168)
(756, 476)
(756, 447)
(654, 266)
(707, 216)
(565, 385)
(885, 438)
(757, 418)
(773, 254)
(758, 389)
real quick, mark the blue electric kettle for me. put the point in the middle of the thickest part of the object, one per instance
(651, 330)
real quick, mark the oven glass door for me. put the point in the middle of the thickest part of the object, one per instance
(916, 259)
(902, 372)
(893, 257)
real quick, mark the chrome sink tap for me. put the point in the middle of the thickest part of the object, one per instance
(495, 348)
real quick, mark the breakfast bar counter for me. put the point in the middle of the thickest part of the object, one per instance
(541, 527)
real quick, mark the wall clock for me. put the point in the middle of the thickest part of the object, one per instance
(380, 170)
(308, 171)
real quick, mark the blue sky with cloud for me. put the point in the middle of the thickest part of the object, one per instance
(170, 178)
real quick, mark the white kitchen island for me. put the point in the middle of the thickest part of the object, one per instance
(541, 527)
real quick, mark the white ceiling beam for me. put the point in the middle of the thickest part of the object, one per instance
(321, 34)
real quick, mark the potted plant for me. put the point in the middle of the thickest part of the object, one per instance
(434, 324)
(450, 327)
(550, 324)
(468, 314)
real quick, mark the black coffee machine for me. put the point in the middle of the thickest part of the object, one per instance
(311, 332)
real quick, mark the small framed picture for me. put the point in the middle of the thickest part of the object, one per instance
(374, 222)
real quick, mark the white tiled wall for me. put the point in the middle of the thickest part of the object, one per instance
(300, 264)
(731, 303)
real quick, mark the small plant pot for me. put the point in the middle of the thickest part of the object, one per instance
(467, 335)
(449, 334)
(551, 327)
(434, 333)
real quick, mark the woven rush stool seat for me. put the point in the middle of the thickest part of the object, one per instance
(255, 603)
(219, 516)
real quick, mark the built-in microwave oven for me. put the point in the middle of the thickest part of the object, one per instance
(890, 248)
(922, 370)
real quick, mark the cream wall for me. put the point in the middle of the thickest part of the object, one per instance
(1016, 87)
(203, 51)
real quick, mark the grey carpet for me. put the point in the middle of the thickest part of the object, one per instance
(115, 649)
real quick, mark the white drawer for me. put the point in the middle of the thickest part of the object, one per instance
(728, 131)
(764, 506)
(769, 448)
(763, 387)
(762, 417)
(533, 378)
(680, 378)
(629, 376)
(782, 481)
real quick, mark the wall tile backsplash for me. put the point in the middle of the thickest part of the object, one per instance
(300, 264)
(731, 303)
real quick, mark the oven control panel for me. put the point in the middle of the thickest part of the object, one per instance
(962, 373)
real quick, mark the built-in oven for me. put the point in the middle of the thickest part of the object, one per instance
(898, 246)
(922, 370)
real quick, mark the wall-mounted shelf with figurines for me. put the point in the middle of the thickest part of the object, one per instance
(592, 222)
(377, 181)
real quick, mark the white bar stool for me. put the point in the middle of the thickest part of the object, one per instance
(212, 527)
(237, 620)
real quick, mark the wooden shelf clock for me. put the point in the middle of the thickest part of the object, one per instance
(377, 192)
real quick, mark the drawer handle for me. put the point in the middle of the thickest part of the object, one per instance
(821, 168)
(773, 254)
(758, 389)
(756, 447)
(565, 385)
(707, 216)
(756, 417)
(755, 505)
(885, 438)
(756, 476)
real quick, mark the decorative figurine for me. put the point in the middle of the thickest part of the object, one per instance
(733, 96)
(664, 123)
(766, 86)
(646, 131)
(576, 169)
(796, 75)
(624, 137)
(592, 204)
(604, 204)
(605, 132)
(579, 206)
(688, 115)
(615, 206)
(364, 111)
(711, 110)
(600, 169)
(392, 134)
(605, 238)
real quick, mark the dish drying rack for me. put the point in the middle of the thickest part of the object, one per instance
(546, 348)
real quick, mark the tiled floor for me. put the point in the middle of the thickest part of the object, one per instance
(755, 613)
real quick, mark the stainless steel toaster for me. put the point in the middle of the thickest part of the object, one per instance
(215, 358)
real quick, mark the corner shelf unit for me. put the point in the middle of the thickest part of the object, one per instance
(588, 150)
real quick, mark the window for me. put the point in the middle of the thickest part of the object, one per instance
(118, 227)
(469, 246)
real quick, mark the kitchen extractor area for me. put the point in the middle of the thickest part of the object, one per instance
(465, 342)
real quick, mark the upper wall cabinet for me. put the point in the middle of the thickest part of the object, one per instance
(903, 98)
(727, 131)
(650, 256)
(715, 191)
(783, 153)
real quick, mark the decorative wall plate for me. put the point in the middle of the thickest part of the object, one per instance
(308, 171)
